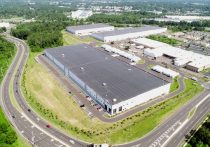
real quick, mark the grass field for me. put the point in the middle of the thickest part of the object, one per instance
(53, 103)
(165, 39)
(69, 39)
(174, 85)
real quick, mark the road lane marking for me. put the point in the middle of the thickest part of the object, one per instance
(39, 128)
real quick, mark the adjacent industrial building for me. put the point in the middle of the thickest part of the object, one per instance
(112, 83)
(83, 30)
(131, 57)
(128, 33)
(81, 14)
(165, 71)
(149, 43)
(180, 57)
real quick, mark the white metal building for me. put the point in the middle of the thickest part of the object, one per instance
(81, 14)
(149, 43)
(192, 61)
(129, 33)
(113, 84)
(4, 24)
(165, 71)
(124, 54)
(83, 30)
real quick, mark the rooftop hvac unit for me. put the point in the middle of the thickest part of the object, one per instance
(104, 84)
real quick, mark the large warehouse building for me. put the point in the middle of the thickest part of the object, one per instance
(81, 14)
(114, 84)
(83, 30)
(129, 33)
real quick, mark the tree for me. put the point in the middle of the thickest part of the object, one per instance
(3, 29)
(11, 137)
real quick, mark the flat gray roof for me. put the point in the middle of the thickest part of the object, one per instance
(123, 81)
(84, 27)
(125, 31)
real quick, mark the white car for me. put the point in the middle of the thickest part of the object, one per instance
(72, 141)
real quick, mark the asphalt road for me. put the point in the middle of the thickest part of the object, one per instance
(170, 133)
(27, 122)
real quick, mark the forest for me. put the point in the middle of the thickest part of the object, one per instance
(120, 19)
(7, 135)
(40, 35)
(201, 138)
(180, 26)
(7, 50)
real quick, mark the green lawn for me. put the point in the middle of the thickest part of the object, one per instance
(52, 102)
(70, 39)
(174, 85)
(165, 39)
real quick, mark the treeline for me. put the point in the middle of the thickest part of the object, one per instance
(180, 26)
(123, 18)
(7, 50)
(40, 35)
(202, 137)
(35, 11)
(3, 29)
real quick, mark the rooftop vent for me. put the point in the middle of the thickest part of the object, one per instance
(63, 55)
(82, 68)
(114, 100)
(104, 84)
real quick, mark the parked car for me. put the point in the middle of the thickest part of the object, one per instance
(48, 126)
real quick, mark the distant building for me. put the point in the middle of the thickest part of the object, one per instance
(81, 14)
(112, 83)
(82, 30)
(4, 24)
(129, 33)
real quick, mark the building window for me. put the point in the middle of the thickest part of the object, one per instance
(120, 108)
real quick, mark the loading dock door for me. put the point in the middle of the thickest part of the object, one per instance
(105, 106)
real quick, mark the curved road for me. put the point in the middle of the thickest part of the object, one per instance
(25, 121)
(170, 133)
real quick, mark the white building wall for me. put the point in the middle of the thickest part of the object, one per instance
(142, 98)
(94, 30)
